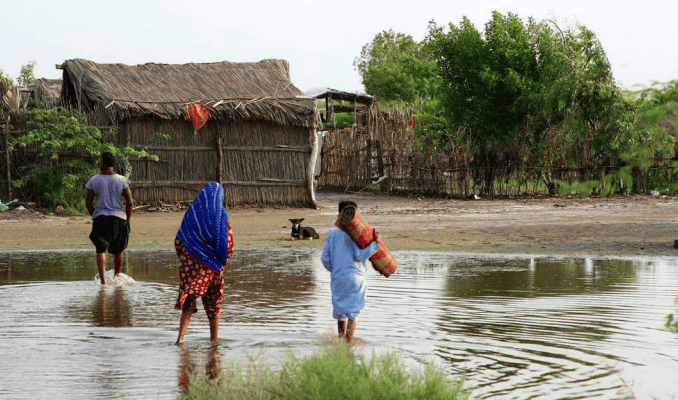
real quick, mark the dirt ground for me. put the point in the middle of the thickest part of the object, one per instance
(621, 226)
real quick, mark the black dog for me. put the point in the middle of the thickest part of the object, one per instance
(302, 233)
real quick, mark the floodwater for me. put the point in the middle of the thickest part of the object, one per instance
(512, 327)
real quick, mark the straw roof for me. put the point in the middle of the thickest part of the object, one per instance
(232, 91)
(335, 94)
(47, 91)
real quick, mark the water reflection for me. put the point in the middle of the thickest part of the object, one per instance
(264, 287)
(513, 327)
(538, 277)
(111, 308)
(46, 266)
(209, 367)
(558, 323)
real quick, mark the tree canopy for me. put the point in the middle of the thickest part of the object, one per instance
(26, 75)
(394, 67)
(522, 79)
(6, 79)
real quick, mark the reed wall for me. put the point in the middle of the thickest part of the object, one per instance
(355, 157)
(265, 164)
(258, 163)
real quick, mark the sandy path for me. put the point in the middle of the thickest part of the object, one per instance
(630, 225)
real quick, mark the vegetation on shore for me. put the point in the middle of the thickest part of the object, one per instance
(70, 150)
(332, 373)
(528, 96)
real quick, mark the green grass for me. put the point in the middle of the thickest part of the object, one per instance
(332, 373)
(340, 119)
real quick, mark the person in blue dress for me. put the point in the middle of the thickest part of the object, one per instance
(342, 257)
(203, 244)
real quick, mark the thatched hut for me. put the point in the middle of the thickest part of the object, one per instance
(259, 139)
(47, 92)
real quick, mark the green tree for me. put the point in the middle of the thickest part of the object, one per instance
(394, 67)
(524, 79)
(529, 83)
(26, 74)
(432, 124)
(462, 57)
(482, 76)
(654, 125)
(68, 152)
(6, 79)
(485, 75)
(575, 83)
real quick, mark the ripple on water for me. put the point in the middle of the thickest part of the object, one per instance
(513, 327)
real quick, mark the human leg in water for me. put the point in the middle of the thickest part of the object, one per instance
(350, 329)
(214, 330)
(183, 325)
(341, 326)
(117, 262)
(101, 264)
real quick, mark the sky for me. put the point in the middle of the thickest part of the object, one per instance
(319, 39)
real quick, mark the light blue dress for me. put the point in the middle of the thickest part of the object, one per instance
(346, 262)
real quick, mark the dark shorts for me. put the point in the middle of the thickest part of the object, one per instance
(109, 233)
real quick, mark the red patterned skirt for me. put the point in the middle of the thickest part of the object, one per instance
(198, 280)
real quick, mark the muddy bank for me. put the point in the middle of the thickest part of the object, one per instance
(621, 226)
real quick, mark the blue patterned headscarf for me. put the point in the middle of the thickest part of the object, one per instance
(204, 228)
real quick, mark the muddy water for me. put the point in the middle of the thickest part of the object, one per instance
(513, 327)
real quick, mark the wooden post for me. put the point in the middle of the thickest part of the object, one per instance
(380, 158)
(8, 160)
(327, 108)
(310, 169)
(369, 161)
(220, 158)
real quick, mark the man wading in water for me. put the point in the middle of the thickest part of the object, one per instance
(110, 224)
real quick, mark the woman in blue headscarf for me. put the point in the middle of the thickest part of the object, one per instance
(203, 244)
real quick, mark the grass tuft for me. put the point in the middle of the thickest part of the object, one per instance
(332, 373)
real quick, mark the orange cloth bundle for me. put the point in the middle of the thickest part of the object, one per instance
(363, 234)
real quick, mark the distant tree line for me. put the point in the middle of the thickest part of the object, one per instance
(26, 75)
(526, 95)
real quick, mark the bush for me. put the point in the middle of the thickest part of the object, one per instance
(68, 155)
(333, 373)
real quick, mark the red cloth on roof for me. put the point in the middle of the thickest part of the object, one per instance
(199, 115)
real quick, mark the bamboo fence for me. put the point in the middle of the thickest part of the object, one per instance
(387, 151)
(261, 163)
(258, 163)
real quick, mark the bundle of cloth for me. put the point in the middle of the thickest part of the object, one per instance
(363, 234)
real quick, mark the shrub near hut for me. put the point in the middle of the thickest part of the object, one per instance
(66, 154)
